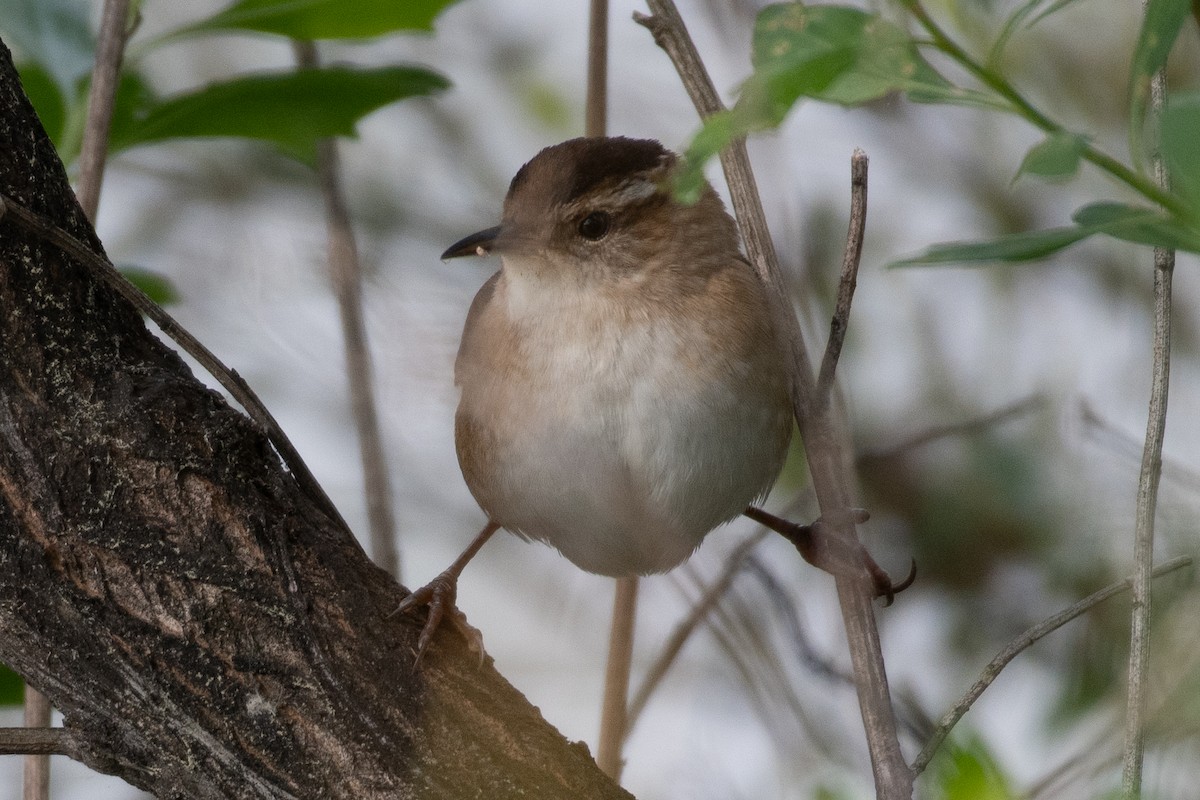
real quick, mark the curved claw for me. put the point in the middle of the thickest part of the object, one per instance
(884, 587)
(820, 546)
(439, 596)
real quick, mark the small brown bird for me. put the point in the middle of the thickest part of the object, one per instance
(624, 390)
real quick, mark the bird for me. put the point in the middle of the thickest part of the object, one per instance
(625, 389)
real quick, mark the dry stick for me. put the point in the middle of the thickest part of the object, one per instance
(345, 272)
(42, 741)
(619, 664)
(1147, 493)
(613, 709)
(228, 378)
(596, 112)
(110, 49)
(851, 257)
(1017, 646)
(825, 448)
(35, 784)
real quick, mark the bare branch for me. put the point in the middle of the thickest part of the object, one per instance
(35, 741)
(35, 783)
(110, 51)
(596, 113)
(849, 277)
(826, 445)
(345, 272)
(1016, 647)
(616, 678)
(1147, 493)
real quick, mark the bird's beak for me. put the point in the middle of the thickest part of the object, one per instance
(477, 244)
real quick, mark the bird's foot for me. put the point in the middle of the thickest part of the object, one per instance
(821, 545)
(439, 596)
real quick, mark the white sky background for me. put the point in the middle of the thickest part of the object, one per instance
(247, 255)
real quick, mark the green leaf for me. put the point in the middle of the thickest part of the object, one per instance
(291, 110)
(1139, 225)
(47, 99)
(831, 53)
(969, 771)
(1055, 158)
(12, 687)
(156, 286)
(54, 33)
(1179, 127)
(716, 132)
(1025, 246)
(1160, 27)
(835, 53)
(1121, 221)
(325, 19)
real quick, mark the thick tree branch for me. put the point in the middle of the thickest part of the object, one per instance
(205, 626)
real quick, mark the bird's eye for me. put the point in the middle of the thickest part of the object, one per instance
(594, 225)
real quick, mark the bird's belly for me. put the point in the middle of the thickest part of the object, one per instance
(620, 457)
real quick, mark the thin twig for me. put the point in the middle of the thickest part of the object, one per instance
(826, 445)
(616, 679)
(696, 615)
(596, 111)
(1017, 646)
(968, 427)
(35, 741)
(849, 277)
(228, 378)
(110, 51)
(35, 784)
(1147, 493)
(345, 273)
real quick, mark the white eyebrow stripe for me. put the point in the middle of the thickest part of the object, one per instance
(634, 190)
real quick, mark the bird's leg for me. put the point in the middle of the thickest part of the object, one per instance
(825, 549)
(439, 595)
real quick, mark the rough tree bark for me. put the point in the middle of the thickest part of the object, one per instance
(206, 631)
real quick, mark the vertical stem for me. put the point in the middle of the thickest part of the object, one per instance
(596, 114)
(616, 679)
(36, 784)
(1147, 494)
(614, 705)
(106, 75)
(346, 277)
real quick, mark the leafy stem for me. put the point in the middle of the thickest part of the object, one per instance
(1140, 183)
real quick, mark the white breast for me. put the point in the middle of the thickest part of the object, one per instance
(610, 447)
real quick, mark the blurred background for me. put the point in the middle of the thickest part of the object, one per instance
(998, 412)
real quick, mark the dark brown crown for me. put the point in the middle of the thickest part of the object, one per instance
(593, 161)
